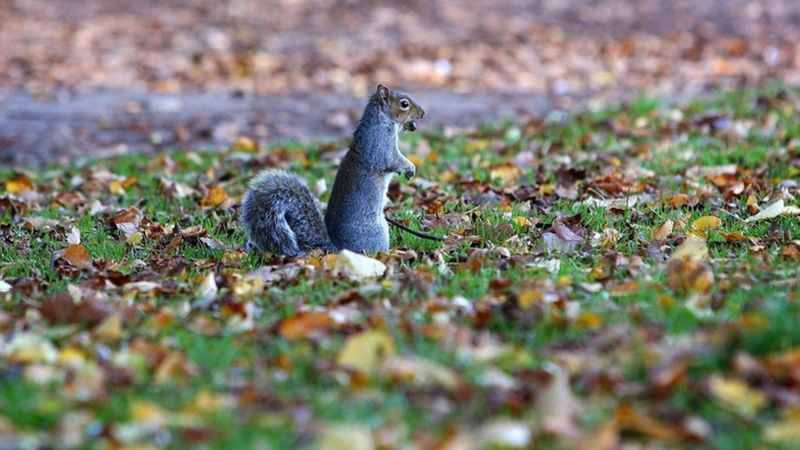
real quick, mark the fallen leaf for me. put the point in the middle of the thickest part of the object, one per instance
(78, 256)
(706, 223)
(244, 144)
(4, 287)
(110, 329)
(27, 348)
(633, 420)
(689, 274)
(662, 231)
(504, 434)
(363, 352)
(357, 266)
(19, 184)
(784, 432)
(737, 395)
(558, 404)
(74, 236)
(774, 210)
(791, 251)
(418, 371)
(345, 437)
(506, 173)
(214, 197)
(207, 290)
(693, 246)
(306, 324)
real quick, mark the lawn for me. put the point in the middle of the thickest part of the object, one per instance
(628, 275)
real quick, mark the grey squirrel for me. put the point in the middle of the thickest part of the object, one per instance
(280, 214)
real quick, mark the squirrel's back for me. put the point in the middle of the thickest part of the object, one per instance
(280, 215)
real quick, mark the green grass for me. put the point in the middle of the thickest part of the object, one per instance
(485, 304)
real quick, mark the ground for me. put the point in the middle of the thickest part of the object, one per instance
(103, 77)
(627, 276)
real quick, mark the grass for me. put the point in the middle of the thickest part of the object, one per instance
(479, 306)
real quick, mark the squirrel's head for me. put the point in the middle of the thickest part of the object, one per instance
(401, 108)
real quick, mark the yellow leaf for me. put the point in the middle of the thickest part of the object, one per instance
(30, 348)
(136, 238)
(505, 172)
(416, 160)
(589, 321)
(522, 221)
(786, 432)
(71, 357)
(662, 231)
(418, 371)
(363, 352)
(110, 329)
(143, 411)
(737, 395)
(694, 246)
(527, 298)
(345, 437)
(115, 187)
(214, 197)
(248, 286)
(244, 144)
(706, 223)
(19, 184)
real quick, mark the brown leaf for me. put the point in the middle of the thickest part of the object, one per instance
(78, 256)
(662, 231)
(632, 420)
(19, 184)
(306, 324)
(214, 197)
(791, 251)
(688, 274)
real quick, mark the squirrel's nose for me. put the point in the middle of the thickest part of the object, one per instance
(409, 173)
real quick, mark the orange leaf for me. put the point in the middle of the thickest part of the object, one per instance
(303, 325)
(78, 256)
(214, 197)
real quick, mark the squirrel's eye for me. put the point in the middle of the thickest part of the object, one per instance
(404, 104)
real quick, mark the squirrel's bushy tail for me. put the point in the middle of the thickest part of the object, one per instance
(280, 215)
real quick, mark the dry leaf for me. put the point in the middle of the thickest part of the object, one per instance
(214, 197)
(785, 432)
(357, 266)
(345, 437)
(364, 352)
(693, 246)
(306, 324)
(688, 274)
(110, 329)
(774, 210)
(418, 371)
(74, 236)
(662, 231)
(558, 405)
(207, 290)
(737, 396)
(78, 256)
(706, 223)
(19, 184)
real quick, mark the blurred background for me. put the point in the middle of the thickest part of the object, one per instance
(108, 76)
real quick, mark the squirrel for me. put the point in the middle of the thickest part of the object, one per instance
(280, 215)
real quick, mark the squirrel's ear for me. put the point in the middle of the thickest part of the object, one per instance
(383, 93)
